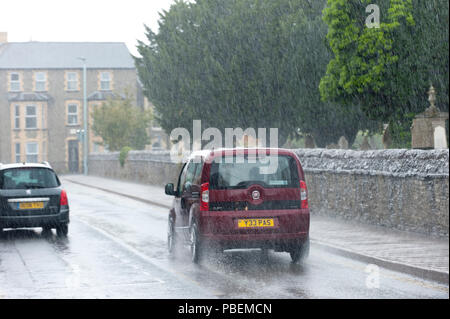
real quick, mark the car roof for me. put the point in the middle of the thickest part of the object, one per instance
(208, 154)
(25, 165)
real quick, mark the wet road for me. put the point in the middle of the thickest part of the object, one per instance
(117, 249)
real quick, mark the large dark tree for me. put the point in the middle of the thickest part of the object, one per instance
(244, 63)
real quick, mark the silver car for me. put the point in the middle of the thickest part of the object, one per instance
(31, 196)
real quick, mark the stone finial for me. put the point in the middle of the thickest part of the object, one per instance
(432, 110)
(432, 96)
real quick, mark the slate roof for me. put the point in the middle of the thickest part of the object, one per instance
(20, 97)
(104, 95)
(63, 55)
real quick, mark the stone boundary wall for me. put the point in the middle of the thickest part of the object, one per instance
(145, 167)
(401, 189)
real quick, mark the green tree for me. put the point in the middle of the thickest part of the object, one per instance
(326, 121)
(244, 63)
(387, 71)
(121, 124)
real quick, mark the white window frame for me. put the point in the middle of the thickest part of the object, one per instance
(104, 80)
(14, 85)
(69, 114)
(74, 82)
(27, 116)
(17, 117)
(17, 154)
(40, 81)
(34, 154)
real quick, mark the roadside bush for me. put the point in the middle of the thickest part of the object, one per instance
(123, 155)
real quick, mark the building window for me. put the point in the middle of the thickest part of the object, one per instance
(72, 114)
(72, 81)
(40, 79)
(14, 82)
(105, 81)
(32, 152)
(31, 117)
(17, 152)
(17, 117)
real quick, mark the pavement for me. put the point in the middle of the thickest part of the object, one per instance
(411, 253)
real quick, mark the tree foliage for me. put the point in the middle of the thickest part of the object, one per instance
(121, 124)
(244, 63)
(123, 154)
(388, 70)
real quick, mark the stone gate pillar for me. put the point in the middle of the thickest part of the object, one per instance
(428, 128)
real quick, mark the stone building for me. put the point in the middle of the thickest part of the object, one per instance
(41, 97)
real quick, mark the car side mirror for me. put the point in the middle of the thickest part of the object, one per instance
(170, 190)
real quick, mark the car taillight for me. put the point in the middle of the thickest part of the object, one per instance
(303, 195)
(63, 200)
(204, 197)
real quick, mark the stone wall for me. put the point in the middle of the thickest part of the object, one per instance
(401, 189)
(148, 167)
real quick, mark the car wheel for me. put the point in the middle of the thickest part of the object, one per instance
(46, 231)
(300, 252)
(62, 230)
(171, 236)
(195, 244)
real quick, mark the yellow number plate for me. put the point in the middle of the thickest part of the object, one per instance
(255, 222)
(32, 205)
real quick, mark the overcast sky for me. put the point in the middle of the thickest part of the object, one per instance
(80, 20)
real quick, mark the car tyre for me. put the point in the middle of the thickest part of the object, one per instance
(62, 230)
(46, 231)
(195, 244)
(301, 252)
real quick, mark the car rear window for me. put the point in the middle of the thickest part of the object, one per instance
(28, 178)
(239, 172)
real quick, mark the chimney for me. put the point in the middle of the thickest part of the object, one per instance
(3, 37)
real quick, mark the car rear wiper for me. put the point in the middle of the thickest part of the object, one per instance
(245, 184)
(29, 186)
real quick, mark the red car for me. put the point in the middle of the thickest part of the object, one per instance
(241, 198)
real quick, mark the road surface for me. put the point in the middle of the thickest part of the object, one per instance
(117, 249)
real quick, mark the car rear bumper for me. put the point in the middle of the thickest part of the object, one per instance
(291, 228)
(282, 242)
(35, 221)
